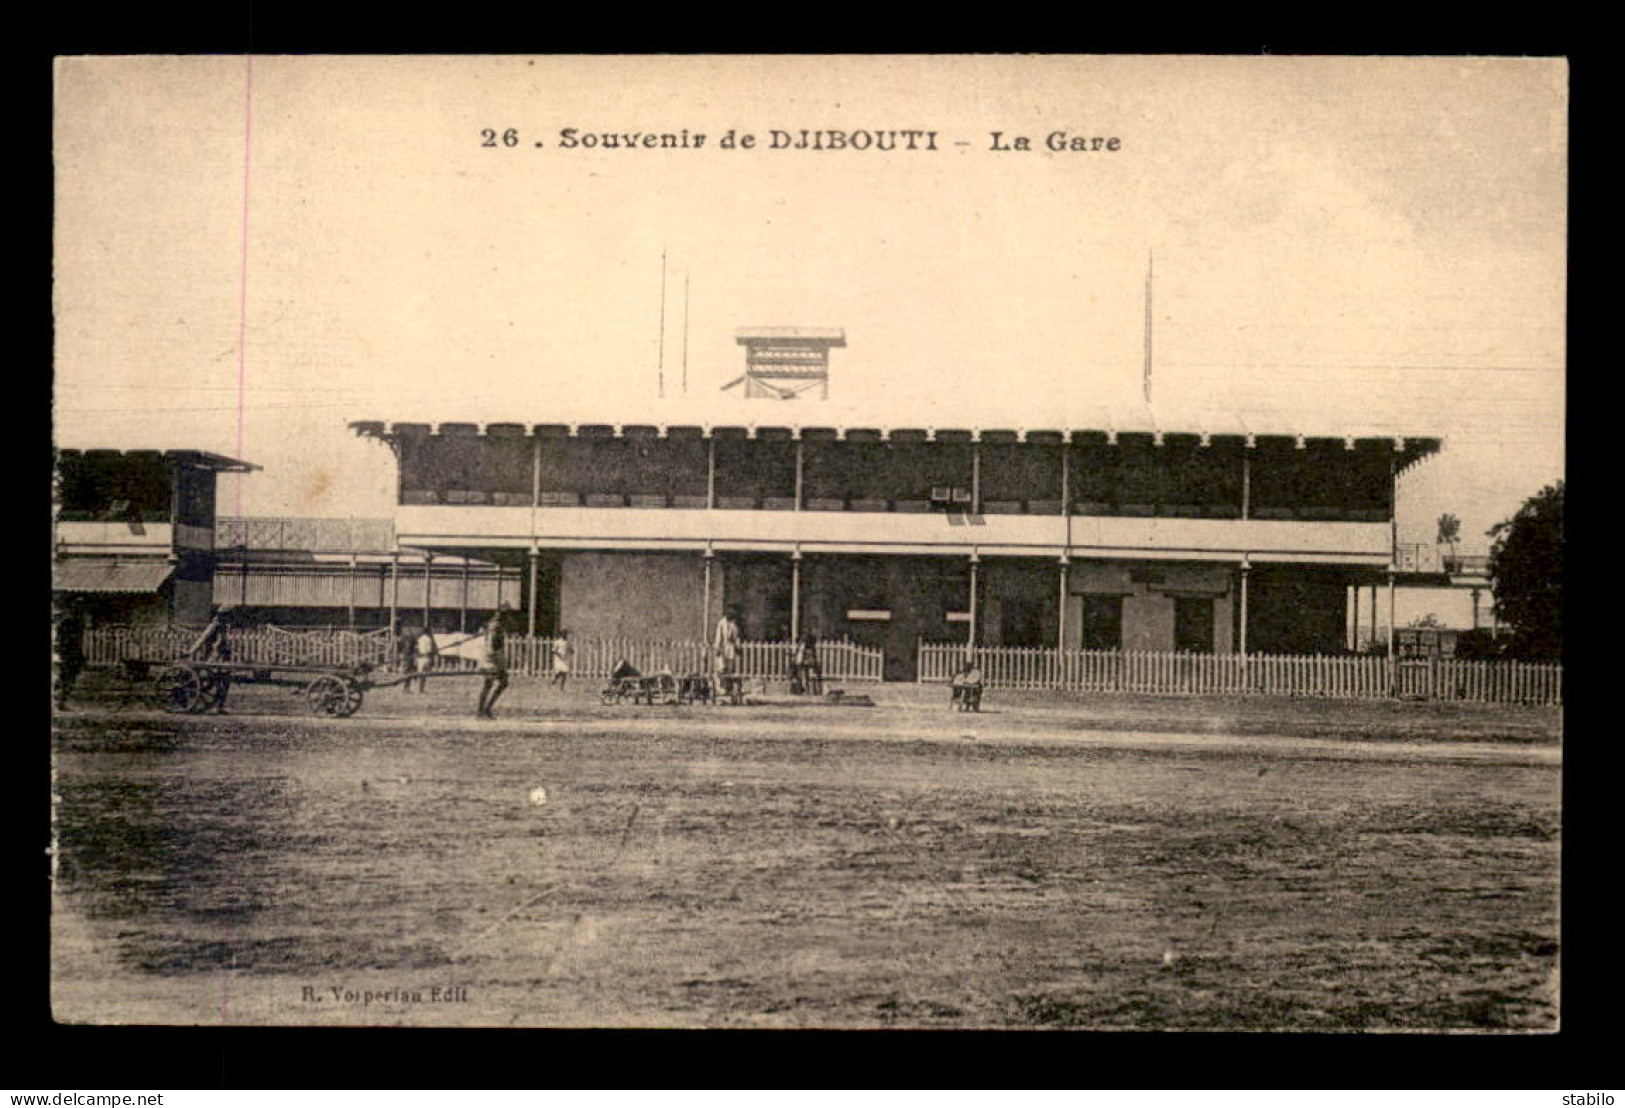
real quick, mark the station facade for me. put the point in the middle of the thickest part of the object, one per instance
(1123, 534)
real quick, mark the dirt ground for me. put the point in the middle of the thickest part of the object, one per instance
(1138, 863)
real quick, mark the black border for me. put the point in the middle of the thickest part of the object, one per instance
(48, 1057)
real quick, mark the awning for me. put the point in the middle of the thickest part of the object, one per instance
(109, 575)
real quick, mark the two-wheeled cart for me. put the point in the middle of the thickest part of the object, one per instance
(335, 691)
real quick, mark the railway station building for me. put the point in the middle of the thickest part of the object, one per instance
(1130, 531)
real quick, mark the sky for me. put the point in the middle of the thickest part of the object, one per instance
(251, 253)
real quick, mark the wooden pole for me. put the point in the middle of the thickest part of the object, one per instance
(660, 357)
(1148, 327)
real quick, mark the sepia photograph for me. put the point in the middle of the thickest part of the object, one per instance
(920, 542)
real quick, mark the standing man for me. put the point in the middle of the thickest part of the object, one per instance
(214, 645)
(70, 653)
(406, 650)
(428, 657)
(495, 662)
(725, 648)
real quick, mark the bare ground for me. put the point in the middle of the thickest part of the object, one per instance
(1049, 865)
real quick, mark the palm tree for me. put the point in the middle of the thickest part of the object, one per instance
(1449, 535)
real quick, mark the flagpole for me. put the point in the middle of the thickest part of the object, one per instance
(660, 358)
(1148, 263)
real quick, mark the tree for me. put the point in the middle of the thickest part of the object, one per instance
(1526, 574)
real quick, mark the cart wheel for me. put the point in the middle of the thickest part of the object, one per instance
(606, 696)
(180, 689)
(336, 697)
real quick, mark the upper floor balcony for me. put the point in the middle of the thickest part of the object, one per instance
(935, 488)
(305, 534)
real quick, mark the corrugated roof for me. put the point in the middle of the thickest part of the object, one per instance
(109, 575)
(185, 457)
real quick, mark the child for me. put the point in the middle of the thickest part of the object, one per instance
(967, 686)
(806, 675)
(561, 660)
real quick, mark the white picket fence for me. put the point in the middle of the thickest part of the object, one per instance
(1498, 682)
(841, 660)
(1352, 677)
(591, 658)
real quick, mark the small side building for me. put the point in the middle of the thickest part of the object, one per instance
(133, 538)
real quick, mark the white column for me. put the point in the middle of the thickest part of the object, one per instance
(1391, 636)
(705, 602)
(462, 617)
(530, 625)
(976, 475)
(394, 591)
(1060, 620)
(800, 475)
(1066, 492)
(795, 596)
(535, 483)
(1246, 572)
(428, 586)
(1393, 660)
(711, 472)
(974, 562)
